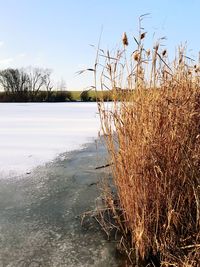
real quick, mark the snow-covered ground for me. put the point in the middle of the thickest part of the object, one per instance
(34, 133)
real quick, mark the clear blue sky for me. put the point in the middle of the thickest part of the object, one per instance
(57, 33)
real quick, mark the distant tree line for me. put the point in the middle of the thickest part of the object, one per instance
(35, 85)
(29, 85)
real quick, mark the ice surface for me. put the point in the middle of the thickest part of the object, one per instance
(34, 133)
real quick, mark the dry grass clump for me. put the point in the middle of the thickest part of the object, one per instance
(153, 139)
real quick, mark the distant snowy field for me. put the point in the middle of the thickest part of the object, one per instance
(34, 133)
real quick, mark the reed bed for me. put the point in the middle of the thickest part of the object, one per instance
(152, 133)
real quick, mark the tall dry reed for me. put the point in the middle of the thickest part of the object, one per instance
(152, 132)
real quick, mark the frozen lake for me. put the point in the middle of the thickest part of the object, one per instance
(32, 134)
(41, 208)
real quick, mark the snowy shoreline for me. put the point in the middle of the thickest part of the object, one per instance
(32, 134)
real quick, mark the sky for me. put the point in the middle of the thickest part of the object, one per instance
(58, 34)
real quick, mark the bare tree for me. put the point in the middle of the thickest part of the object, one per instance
(48, 82)
(14, 80)
(36, 79)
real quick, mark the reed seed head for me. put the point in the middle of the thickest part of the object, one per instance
(142, 36)
(125, 39)
(148, 52)
(136, 56)
(164, 52)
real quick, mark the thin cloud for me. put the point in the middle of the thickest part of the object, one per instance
(12, 61)
(21, 55)
(6, 61)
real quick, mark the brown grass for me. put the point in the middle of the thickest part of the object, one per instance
(153, 139)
